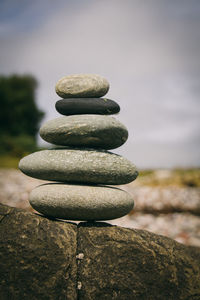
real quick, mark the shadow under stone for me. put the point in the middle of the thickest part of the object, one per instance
(94, 224)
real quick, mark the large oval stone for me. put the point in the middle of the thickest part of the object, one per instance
(78, 106)
(83, 166)
(82, 85)
(85, 130)
(81, 202)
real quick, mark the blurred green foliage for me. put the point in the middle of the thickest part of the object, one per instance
(19, 116)
(8, 161)
(173, 177)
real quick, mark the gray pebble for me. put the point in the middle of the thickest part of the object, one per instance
(82, 85)
(85, 130)
(79, 165)
(81, 202)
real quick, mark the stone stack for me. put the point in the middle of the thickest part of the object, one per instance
(80, 163)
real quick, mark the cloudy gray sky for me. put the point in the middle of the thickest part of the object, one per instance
(149, 50)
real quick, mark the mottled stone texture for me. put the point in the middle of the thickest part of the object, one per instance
(37, 257)
(93, 131)
(81, 202)
(121, 263)
(37, 261)
(79, 165)
(82, 85)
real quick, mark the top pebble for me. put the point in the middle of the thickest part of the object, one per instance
(82, 85)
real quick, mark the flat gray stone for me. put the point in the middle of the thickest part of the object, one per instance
(81, 202)
(82, 85)
(80, 106)
(94, 131)
(79, 165)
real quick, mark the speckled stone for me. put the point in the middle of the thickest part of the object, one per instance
(81, 202)
(78, 106)
(94, 131)
(82, 85)
(76, 165)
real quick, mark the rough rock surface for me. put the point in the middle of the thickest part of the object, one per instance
(79, 165)
(37, 261)
(82, 85)
(121, 263)
(77, 106)
(94, 131)
(37, 256)
(81, 202)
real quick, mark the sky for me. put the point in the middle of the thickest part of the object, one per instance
(149, 51)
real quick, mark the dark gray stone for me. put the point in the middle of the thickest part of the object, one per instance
(79, 106)
(79, 165)
(94, 131)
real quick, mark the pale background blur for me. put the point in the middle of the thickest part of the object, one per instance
(148, 50)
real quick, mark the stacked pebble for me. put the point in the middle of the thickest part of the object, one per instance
(80, 161)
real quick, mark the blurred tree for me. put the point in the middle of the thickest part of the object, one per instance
(19, 115)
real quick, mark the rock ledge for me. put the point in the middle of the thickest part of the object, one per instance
(51, 259)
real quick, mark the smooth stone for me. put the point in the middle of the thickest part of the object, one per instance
(79, 106)
(94, 131)
(79, 165)
(81, 202)
(82, 85)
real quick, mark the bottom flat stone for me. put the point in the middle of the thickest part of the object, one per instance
(81, 202)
